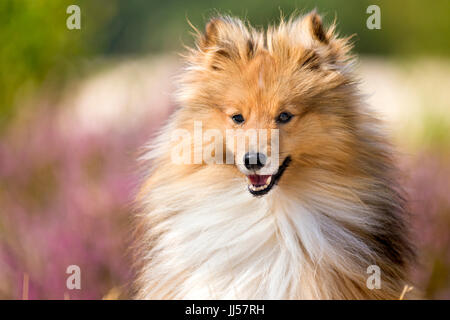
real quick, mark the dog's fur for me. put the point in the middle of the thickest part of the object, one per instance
(335, 211)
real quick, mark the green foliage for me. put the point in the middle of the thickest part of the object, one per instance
(436, 131)
(31, 45)
(37, 46)
(407, 28)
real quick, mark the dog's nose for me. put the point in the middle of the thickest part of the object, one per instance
(254, 161)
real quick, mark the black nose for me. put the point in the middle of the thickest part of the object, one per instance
(254, 161)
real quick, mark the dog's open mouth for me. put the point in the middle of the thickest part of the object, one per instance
(259, 185)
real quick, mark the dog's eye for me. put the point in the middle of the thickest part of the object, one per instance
(284, 117)
(238, 118)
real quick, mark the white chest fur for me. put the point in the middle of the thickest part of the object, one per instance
(229, 244)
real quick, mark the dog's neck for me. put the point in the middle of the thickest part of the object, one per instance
(225, 243)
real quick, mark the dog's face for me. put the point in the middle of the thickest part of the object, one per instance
(284, 92)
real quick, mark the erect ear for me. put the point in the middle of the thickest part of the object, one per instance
(309, 30)
(323, 48)
(226, 38)
(214, 42)
(214, 30)
(314, 24)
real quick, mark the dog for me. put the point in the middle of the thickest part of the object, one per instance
(306, 216)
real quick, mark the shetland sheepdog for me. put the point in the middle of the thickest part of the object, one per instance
(308, 215)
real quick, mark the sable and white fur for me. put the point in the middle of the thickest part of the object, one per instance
(336, 210)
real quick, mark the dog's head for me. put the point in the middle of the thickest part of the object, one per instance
(286, 90)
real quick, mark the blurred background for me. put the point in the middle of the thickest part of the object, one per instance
(76, 107)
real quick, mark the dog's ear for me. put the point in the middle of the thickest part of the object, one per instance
(225, 38)
(322, 47)
(218, 32)
(313, 22)
(212, 32)
(214, 41)
(224, 31)
(309, 30)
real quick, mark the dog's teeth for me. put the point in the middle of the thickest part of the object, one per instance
(259, 188)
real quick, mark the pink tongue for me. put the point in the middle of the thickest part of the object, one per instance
(258, 180)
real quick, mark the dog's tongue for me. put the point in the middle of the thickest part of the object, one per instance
(258, 180)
